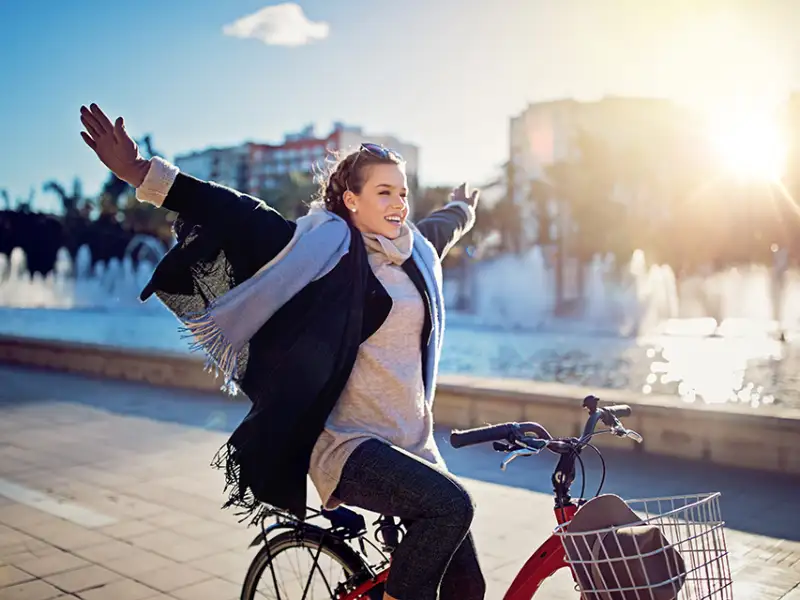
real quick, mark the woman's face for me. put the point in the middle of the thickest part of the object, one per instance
(382, 205)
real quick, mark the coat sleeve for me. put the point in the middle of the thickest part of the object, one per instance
(445, 227)
(240, 219)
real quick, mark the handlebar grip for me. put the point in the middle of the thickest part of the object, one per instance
(619, 410)
(481, 435)
(503, 431)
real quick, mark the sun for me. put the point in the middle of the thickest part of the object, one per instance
(749, 145)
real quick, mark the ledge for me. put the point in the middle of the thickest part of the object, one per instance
(729, 434)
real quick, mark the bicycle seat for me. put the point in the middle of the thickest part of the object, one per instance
(345, 519)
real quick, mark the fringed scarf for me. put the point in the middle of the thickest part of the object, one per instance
(223, 330)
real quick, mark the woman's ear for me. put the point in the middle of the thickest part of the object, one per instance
(349, 199)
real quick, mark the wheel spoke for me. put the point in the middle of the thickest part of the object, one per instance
(295, 564)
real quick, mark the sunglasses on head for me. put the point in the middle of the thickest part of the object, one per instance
(379, 151)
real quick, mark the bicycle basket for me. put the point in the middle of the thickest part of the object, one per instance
(653, 549)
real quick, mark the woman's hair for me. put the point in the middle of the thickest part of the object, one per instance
(348, 173)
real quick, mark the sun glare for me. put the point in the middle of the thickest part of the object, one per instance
(749, 145)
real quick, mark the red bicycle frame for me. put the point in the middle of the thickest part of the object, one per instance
(547, 559)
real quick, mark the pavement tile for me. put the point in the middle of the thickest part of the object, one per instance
(66, 535)
(52, 564)
(172, 518)
(135, 562)
(794, 594)
(25, 545)
(211, 589)
(106, 551)
(30, 590)
(83, 578)
(11, 576)
(172, 578)
(200, 529)
(227, 565)
(16, 559)
(173, 545)
(127, 529)
(124, 589)
(19, 515)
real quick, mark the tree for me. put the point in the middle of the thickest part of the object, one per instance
(25, 205)
(592, 219)
(74, 203)
(539, 195)
(430, 199)
(291, 195)
(505, 216)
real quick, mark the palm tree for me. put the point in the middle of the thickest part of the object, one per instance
(73, 203)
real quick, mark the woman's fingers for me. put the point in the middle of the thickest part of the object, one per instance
(91, 126)
(89, 141)
(101, 117)
(119, 130)
(90, 122)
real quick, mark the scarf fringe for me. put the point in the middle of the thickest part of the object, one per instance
(221, 358)
(240, 497)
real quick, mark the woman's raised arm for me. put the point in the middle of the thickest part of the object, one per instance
(160, 183)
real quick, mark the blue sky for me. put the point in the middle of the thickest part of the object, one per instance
(445, 74)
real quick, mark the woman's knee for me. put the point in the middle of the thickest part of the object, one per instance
(460, 507)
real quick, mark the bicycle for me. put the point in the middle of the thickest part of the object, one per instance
(693, 523)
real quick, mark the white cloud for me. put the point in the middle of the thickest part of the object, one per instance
(278, 25)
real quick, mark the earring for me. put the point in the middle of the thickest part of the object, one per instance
(353, 209)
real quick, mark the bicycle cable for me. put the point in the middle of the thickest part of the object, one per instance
(583, 474)
(603, 467)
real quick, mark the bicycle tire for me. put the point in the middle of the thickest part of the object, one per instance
(306, 537)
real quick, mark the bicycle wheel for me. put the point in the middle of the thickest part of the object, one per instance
(304, 563)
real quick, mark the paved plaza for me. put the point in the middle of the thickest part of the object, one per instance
(106, 493)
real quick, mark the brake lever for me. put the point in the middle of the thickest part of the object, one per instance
(513, 455)
(621, 431)
(636, 437)
(502, 446)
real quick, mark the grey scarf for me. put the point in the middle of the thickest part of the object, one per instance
(320, 240)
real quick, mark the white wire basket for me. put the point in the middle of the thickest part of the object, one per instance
(664, 549)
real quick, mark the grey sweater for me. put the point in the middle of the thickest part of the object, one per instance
(384, 397)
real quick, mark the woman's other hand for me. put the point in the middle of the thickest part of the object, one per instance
(113, 146)
(462, 194)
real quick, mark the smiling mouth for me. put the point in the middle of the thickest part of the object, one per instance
(394, 220)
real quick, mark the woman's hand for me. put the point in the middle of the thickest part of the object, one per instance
(113, 146)
(461, 194)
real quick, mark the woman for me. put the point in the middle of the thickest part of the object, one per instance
(332, 325)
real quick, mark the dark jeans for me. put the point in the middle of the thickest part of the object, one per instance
(437, 553)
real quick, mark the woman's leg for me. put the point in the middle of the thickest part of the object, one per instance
(382, 479)
(463, 578)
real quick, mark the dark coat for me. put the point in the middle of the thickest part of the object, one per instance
(297, 364)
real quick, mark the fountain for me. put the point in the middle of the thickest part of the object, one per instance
(709, 337)
(78, 285)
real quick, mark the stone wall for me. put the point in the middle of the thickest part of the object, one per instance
(729, 435)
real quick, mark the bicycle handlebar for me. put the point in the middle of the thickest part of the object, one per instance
(509, 432)
(520, 432)
(618, 410)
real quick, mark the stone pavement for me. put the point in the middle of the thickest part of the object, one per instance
(126, 468)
